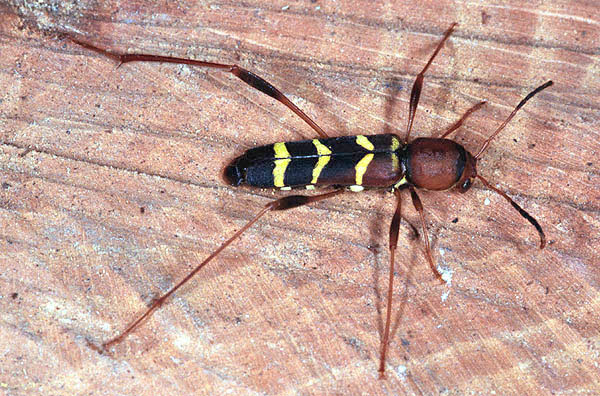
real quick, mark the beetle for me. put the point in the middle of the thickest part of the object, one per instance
(346, 163)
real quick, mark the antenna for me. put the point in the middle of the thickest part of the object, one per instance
(521, 104)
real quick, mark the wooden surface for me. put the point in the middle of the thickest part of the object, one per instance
(112, 191)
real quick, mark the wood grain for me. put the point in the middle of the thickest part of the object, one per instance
(112, 191)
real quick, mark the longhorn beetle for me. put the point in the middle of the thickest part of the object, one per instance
(345, 163)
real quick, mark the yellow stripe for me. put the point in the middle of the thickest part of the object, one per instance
(324, 157)
(361, 167)
(363, 141)
(394, 147)
(401, 182)
(280, 164)
(395, 144)
(395, 162)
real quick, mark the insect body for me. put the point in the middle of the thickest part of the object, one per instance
(345, 163)
(356, 162)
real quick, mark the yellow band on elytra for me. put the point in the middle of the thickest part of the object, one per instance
(361, 167)
(280, 164)
(324, 157)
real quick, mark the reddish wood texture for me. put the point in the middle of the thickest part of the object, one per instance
(112, 190)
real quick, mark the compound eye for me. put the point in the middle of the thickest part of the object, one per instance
(466, 185)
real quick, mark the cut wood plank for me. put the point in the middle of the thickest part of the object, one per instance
(112, 191)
